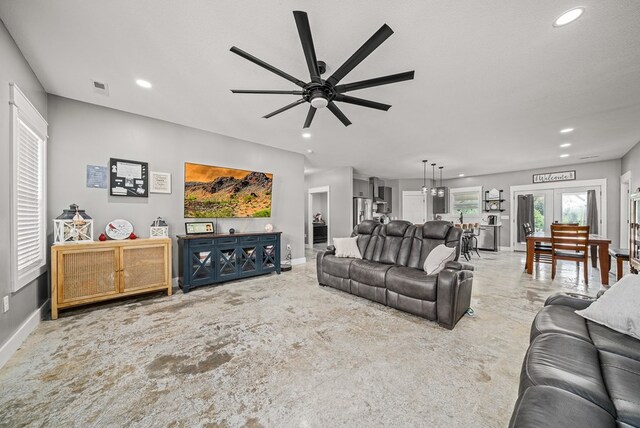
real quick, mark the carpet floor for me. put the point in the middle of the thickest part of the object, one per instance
(281, 351)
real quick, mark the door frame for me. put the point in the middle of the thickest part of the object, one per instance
(310, 193)
(415, 193)
(625, 191)
(602, 182)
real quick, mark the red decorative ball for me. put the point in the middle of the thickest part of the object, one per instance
(102, 237)
(132, 236)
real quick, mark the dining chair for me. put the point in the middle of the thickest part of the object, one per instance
(569, 242)
(541, 251)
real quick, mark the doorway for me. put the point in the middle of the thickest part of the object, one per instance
(625, 192)
(556, 202)
(318, 217)
(414, 206)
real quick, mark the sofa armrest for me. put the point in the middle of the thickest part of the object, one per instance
(330, 249)
(456, 265)
(453, 296)
(573, 300)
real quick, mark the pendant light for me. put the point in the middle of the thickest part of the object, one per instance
(424, 177)
(434, 191)
(441, 189)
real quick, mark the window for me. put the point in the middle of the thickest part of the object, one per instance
(466, 200)
(28, 187)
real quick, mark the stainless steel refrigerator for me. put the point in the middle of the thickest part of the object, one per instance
(362, 210)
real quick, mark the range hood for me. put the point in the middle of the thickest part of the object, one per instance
(374, 182)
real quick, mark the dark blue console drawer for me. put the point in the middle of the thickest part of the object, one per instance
(224, 241)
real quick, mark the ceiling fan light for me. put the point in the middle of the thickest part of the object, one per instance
(319, 102)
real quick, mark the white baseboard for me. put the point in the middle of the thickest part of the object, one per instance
(300, 261)
(15, 341)
(506, 249)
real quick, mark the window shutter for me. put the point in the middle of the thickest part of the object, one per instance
(29, 199)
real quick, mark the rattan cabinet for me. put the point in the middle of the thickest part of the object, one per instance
(85, 273)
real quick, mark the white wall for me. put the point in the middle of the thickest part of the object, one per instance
(15, 69)
(340, 182)
(82, 134)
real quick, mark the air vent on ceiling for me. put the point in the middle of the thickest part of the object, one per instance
(100, 87)
(590, 157)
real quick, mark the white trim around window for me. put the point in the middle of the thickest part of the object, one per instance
(28, 131)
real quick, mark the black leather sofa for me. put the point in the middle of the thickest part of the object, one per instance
(577, 373)
(391, 272)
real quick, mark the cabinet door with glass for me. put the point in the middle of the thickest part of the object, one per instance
(201, 266)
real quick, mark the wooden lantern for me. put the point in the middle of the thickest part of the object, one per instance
(159, 229)
(73, 225)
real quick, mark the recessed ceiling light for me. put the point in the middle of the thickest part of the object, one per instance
(568, 16)
(564, 155)
(566, 130)
(309, 151)
(143, 83)
(563, 145)
(461, 175)
(306, 135)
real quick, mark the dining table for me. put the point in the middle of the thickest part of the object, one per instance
(594, 240)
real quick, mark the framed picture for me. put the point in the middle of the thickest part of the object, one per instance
(128, 178)
(197, 228)
(159, 182)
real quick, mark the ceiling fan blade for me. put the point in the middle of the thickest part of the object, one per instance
(338, 113)
(369, 46)
(378, 81)
(285, 108)
(312, 112)
(266, 91)
(304, 31)
(269, 67)
(361, 102)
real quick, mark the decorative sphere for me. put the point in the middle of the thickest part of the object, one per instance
(268, 227)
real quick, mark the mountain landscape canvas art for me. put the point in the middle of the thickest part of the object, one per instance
(216, 192)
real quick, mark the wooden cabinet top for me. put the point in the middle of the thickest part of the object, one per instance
(110, 243)
(225, 235)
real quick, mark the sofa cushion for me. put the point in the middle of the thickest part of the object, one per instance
(559, 319)
(618, 307)
(438, 258)
(412, 283)
(549, 407)
(347, 247)
(568, 363)
(608, 340)
(368, 272)
(390, 241)
(622, 378)
(336, 266)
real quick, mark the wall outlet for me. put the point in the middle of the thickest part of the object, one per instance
(5, 304)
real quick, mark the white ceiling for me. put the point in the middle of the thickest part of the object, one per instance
(495, 82)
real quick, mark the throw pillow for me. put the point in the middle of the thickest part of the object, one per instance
(618, 307)
(437, 258)
(347, 247)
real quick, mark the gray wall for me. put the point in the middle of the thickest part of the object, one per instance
(82, 134)
(631, 162)
(586, 171)
(15, 69)
(340, 182)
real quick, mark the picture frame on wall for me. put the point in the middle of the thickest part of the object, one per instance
(199, 227)
(128, 178)
(159, 182)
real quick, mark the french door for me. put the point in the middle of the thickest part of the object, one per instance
(561, 205)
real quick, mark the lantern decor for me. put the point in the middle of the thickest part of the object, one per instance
(159, 229)
(285, 266)
(73, 225)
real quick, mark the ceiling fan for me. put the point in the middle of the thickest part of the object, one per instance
(324, 93)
